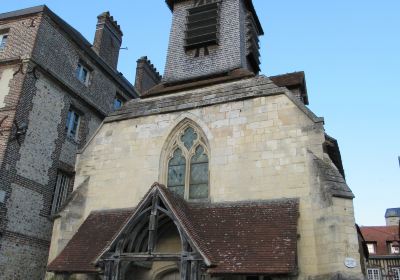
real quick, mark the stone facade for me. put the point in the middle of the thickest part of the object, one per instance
(38, 86)
(260, 148)
(262, 144)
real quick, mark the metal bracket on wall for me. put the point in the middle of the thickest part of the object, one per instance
(20, 69)
(20, 131)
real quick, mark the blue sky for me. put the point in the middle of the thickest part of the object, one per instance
(350, 51)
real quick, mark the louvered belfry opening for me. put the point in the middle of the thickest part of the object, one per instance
(202, 26)
(253, 42)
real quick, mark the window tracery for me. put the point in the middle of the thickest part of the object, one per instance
(188, 164)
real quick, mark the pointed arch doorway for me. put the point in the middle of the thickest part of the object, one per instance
(172, 274)
(154, 239)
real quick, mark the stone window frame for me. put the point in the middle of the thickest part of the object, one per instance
(119, 98)
(173, 142)
(73, 136)
(61, 190)
(81, 68)
(4, 33)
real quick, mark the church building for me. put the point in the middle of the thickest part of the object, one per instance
(216, 172)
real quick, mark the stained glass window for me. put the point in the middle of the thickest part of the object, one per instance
(176, 173)
(188, 165)
(198, 187)
(189, 137)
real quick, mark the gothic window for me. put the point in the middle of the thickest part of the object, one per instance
(187, 172)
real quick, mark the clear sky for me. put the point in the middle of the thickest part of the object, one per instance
(350, 51)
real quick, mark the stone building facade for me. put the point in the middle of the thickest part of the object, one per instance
(55, 90)
(250, 186)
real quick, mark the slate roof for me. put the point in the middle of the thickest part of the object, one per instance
(332, 180)
(381, 235)
(257, 237)
(392, 212)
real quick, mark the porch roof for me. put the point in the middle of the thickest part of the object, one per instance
(250, 237)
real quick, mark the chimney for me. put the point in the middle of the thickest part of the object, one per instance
(146, 75)
(108, 39)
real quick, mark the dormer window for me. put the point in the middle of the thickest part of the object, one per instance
(202, 26)
(394, 248)
(371, 247)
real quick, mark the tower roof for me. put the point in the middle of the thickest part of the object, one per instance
(392, 212)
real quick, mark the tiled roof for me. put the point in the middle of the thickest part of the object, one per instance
(94, 234)
(257, 237)
(381, 235)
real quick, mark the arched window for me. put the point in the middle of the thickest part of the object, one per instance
(187, 171)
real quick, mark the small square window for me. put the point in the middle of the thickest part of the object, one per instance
(3, 41)
(60, 191)
(82, 73)
(72, 125)
(118, 103)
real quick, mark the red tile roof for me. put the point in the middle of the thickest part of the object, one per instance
(236, 238)
(94, 234)
(381, 235)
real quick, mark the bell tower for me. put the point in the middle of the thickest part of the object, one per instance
(211, 38)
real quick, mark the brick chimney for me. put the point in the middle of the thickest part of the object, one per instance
(108, 39)
(146, 75)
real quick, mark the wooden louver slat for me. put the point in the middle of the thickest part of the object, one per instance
(202, 26)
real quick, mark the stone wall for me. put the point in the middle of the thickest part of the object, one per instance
(38, 87)
(260, 149)
(61, 56)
